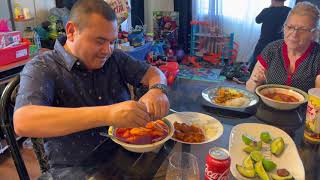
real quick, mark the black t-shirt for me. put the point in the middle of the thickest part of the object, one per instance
(272, 20)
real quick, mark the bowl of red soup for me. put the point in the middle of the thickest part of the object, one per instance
(143, 139)
(281, 97)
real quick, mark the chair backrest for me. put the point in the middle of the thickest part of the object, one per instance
(7, 103)
(6, 111)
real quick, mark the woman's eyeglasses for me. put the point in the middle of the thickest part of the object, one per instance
(290, 29)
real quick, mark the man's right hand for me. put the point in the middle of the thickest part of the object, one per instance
(128, 114)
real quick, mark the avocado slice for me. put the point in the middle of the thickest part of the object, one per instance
(277, 146)
(248, 163)
(245, 171)
(259, 145)
(253, 147)
(277, 177)
(257, 156)
(260, 171)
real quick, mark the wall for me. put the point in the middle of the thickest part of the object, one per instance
(155, 5)
(4, 11)
(41, 10)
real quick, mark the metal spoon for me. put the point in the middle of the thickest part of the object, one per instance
(112, 136)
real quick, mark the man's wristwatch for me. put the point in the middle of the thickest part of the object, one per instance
(162, 87)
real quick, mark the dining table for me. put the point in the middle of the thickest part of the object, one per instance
(111, 161)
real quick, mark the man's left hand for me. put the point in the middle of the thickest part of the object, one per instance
(157, 103)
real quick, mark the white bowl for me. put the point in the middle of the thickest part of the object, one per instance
(141, 148)
(281, 105)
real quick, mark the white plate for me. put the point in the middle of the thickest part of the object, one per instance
(210, 93)
(191, 117)
(289, 159)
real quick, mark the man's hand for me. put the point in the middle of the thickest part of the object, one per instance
(157, 103)
(129, 114)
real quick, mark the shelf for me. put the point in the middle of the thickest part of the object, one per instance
(195, 41)
(23, 20)
(209, 35)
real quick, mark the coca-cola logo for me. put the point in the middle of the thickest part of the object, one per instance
(214, 176)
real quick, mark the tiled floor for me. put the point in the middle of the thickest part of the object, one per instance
(8, 169)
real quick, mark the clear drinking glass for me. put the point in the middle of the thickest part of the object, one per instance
(183, 166)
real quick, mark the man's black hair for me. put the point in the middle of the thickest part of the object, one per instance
(82, 9)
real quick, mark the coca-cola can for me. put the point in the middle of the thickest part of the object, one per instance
(217, 164)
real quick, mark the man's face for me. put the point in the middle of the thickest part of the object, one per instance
(94, 43)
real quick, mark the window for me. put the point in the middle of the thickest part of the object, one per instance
(204, 6)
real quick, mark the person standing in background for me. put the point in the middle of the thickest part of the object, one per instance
(272, 19)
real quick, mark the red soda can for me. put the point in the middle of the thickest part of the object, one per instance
(217, 164)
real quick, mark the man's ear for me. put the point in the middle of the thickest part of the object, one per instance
(71, 30)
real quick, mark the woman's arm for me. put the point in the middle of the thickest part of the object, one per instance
(317, 84)
(257, 77)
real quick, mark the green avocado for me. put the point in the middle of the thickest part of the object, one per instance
(259, 145)
(277, 146)
(260, 171)
(257, 156)
(246, 172)
(253, 147)
(277, 177)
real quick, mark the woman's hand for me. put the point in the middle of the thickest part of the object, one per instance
(257, 77)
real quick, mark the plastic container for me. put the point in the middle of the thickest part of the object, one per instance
(15, 53)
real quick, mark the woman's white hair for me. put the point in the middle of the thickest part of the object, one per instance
(306, 9)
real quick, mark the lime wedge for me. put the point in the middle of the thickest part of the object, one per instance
(247, 139)
(265, 137)
(256, 156)
(268, 165)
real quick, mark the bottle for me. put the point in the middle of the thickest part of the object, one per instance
(18, 13)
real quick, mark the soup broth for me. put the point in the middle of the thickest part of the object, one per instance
(281, 97)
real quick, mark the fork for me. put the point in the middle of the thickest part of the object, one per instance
(160, 127)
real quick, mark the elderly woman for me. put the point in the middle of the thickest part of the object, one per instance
(294, 61)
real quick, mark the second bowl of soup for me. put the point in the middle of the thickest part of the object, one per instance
(281, 97)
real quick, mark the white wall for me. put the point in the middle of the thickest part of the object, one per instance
(41, 9)
(155, 5)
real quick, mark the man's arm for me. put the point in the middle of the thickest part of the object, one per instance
(153, 76)
(155, 99)
(45, 121)
(260, 18)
